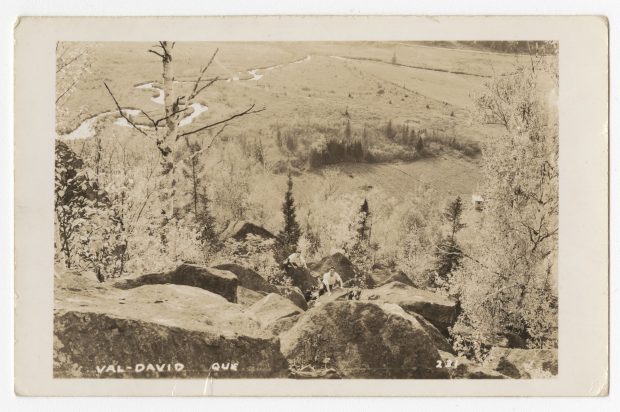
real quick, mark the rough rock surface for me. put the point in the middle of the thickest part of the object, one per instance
(362, 340)
(248, 297)
(397, 277)
(293, 294)
(438, 310)
(341, 264)
(97, 325)
(381, 275)
(248, 278)
(302, 278)
(523, 363)
(218, 281)
(275, 313)
(84, 341)
(240, 229)
(438, 339)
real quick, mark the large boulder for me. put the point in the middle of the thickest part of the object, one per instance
(523, 363)
(437, 309)
(248, 297)
(302, 278)
(248, 278)
(341, 264)
(382, 276)
(362, 340)
(438, 339)
(240, 229)
(188, 328)
(275, 313)
(252, 281)
(293, 294)
(218, 281)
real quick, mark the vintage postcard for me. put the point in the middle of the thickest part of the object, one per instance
(311, 206)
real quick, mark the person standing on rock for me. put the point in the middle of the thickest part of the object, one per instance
(329, 280)
(295, 261)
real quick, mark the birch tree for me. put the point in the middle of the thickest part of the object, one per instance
(166, 133)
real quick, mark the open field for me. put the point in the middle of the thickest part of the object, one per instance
(323, 83)
(314, 83)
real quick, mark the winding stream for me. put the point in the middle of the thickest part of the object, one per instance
(86, 129)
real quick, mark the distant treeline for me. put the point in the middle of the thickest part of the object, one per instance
(518, 47)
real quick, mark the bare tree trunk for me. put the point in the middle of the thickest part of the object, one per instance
(171, 105)
(165, 144)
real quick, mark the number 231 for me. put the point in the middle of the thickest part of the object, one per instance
(449, 363)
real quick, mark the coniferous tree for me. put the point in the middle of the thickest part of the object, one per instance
(347, 130)
(419, 146)
(289, 236)
(452, 214)
(449, 254)
(363, 228)
(207, 234)
(389, 130)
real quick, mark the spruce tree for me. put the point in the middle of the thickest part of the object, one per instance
(347, 130)
(363, 228)
(289, 236)
(452, 214)
(389, 130)
(419, 146)
(207, 233)
(449, 254)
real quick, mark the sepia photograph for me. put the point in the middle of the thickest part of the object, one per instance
(306, 210)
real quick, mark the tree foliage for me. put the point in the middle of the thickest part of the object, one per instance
(291, 232)
(509, 281)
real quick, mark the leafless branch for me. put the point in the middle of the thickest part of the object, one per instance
(204, 149)
(158, 121)
(66, 64)
(120, 111)
(150, 118)
(195, 90)
(157, 53)
(247, 111)
(204, 87)
(66, 91)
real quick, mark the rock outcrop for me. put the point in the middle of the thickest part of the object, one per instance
(438, 310)
(523, 363)
(293, 294)
(248, 297)
(341, 264)
(275, 313)
(252, 281)
(439, 340)
(302, 278)
(218, 281)
(248, 278)
(362, 340)
(106, 332)
(381, 276)
(240, 229)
